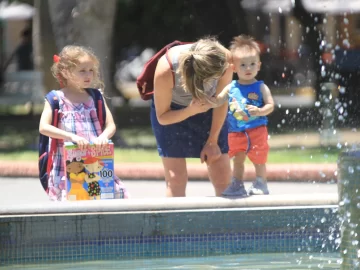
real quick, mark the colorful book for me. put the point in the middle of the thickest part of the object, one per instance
(89, 172)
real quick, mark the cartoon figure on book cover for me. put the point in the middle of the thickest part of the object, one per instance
(93, 166)
(76, 174)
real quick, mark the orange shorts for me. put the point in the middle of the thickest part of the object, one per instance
(254, 142)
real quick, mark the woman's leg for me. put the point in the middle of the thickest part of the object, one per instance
(176, 176)
(220, 174)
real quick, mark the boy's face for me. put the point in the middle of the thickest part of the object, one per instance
(246, 64)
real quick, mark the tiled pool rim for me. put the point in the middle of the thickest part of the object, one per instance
(168, 227)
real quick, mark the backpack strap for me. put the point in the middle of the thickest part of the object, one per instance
(53, 100)
(99, 104)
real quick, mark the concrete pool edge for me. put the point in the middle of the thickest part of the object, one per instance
(169, 204)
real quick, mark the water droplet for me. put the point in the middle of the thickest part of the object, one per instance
(280, 10)
(351, 169)
(323, 220)
(346, 43)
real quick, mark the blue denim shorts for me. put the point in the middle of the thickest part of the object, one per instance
(186, 139)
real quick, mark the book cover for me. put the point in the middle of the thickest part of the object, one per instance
(89, 172)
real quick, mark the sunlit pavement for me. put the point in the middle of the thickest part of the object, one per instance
(29, 190)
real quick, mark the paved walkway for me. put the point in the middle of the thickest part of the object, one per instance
(139, 171)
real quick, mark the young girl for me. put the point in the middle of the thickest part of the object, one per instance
(76, 68)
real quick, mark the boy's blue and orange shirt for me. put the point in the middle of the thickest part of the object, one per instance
(241, 95)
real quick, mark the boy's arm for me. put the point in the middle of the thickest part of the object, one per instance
(268, 100)
(268, 103)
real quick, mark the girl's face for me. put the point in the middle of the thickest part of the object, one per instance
(83, 74)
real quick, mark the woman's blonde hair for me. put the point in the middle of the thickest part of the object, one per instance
(206, 59)
(68, 59)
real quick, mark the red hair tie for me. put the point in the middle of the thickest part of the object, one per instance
(56, 58)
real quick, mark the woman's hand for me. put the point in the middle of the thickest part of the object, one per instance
(210, 153)
(199, 106)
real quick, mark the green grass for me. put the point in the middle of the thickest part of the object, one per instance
(315, 155)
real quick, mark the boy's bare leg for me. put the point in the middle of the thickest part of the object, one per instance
(236, 188)
(259, 186)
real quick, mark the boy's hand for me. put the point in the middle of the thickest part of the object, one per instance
(253, 110)
(81, 142)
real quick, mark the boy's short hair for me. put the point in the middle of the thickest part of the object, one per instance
(244, 42)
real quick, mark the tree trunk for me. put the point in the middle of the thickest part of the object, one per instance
(44, 44)
(86, 23)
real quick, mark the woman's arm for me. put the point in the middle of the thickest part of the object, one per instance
(219, 113)
(163, 84)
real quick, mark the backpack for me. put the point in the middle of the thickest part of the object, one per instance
(46, 154)
(148, 72)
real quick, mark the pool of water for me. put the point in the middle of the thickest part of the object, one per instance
(242, 261)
